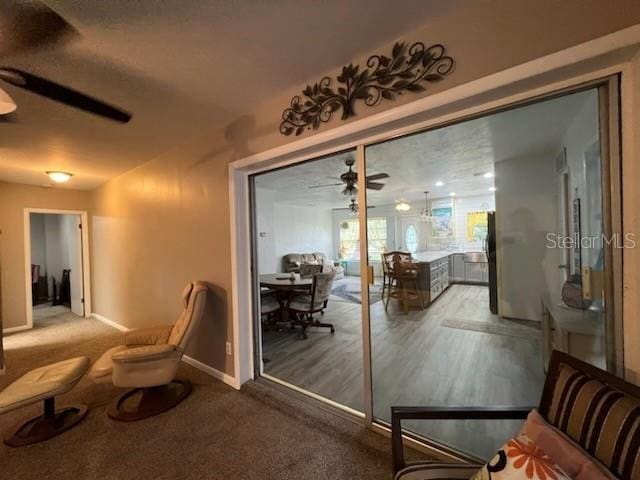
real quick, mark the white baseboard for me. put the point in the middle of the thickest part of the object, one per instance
(217, 374)
(111, 323)
(21, 328)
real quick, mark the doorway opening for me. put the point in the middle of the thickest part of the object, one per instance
(55, 261)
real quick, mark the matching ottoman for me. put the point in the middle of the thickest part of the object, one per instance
(44, 384)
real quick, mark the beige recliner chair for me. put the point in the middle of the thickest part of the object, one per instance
(148, 362)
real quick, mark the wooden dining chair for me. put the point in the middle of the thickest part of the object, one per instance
(386, 278)
(403, 279)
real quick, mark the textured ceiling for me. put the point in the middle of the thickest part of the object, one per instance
(181, 67)
(457, 155)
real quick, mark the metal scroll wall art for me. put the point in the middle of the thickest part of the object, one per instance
(383, 78)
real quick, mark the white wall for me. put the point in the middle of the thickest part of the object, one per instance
(38, 251)
(302, 230)
(528, 202)
(57, 255)
(525, 213)
(582, 134)
(284, 228)
(265, 230)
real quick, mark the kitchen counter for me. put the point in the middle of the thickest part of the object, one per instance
(429, 257)
(432, 256)
(437, 269)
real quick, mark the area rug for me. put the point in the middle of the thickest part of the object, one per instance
(497, 326)
(349, 290)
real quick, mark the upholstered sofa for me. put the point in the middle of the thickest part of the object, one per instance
(587, 424)
(292, 261)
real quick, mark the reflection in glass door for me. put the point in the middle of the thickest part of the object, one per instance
(437, 339)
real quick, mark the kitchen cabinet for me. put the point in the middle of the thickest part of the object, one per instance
(457, 267)
(439, 277)
(438, 270)
(475, 272)
(476, 268)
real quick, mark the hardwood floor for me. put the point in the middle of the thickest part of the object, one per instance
(418, 361)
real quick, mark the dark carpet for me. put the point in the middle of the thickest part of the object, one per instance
(216, 433)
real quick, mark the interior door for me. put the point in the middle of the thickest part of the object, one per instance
(75, 264)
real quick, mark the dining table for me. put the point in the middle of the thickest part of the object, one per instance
(284, 282)
(285, 286)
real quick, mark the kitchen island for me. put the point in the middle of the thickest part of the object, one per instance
(440, 268)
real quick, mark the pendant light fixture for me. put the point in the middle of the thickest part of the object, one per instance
(425, 214)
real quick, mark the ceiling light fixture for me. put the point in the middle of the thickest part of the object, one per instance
(7, 105)
(402, 206)
(492, 189)
(59, 177)
(439, 183)
(425, 214)
(488, 175)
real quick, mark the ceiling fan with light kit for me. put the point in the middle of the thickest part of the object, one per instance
(353, 207)
(350, 180)
(29, 25)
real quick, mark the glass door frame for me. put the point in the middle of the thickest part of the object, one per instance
(608, 89)
(609, 98)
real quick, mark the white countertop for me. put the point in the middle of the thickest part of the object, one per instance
(430, 256)
(433, 255)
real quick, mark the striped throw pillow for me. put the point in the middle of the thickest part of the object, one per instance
(602, 420)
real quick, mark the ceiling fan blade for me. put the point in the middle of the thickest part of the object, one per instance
(377, 176)
(349, 208)
(326, 185)
(375, 186)
(54, 91)
(29, 25)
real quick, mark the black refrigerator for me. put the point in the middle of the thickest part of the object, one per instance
(490, 249)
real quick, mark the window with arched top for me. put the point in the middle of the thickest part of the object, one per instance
(411, 238)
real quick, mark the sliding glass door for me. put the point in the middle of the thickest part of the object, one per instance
(456, 260)
(474, 216)
(306, 223)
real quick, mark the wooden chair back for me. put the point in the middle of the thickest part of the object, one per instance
(399, 264)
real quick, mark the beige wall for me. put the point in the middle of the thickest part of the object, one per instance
(631, 219)
(167, 222)
(14, 199)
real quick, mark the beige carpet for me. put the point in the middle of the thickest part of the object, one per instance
(217, 433)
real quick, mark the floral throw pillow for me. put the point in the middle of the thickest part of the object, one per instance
(520, 459)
